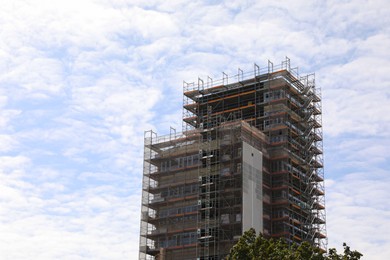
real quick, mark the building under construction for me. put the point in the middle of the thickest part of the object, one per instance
(250, 155)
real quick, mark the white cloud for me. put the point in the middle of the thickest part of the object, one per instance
(7, 143)
(87, 223)
(358, 207)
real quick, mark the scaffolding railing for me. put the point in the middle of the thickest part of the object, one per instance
(240, 76)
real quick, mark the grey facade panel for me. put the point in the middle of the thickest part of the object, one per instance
(252, 188)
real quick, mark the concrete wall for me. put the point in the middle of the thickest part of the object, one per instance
(252, 188)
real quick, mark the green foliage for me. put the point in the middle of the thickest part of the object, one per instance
(252, 247)
(348, 254)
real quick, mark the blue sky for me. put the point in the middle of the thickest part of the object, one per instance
(80, 82)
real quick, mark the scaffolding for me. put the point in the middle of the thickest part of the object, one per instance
(197, 184)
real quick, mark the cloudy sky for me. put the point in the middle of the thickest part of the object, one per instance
(81, 80)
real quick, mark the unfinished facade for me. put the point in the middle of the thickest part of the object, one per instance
(250, 155)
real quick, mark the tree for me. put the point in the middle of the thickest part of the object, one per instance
(252, 247)
(348, 254)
